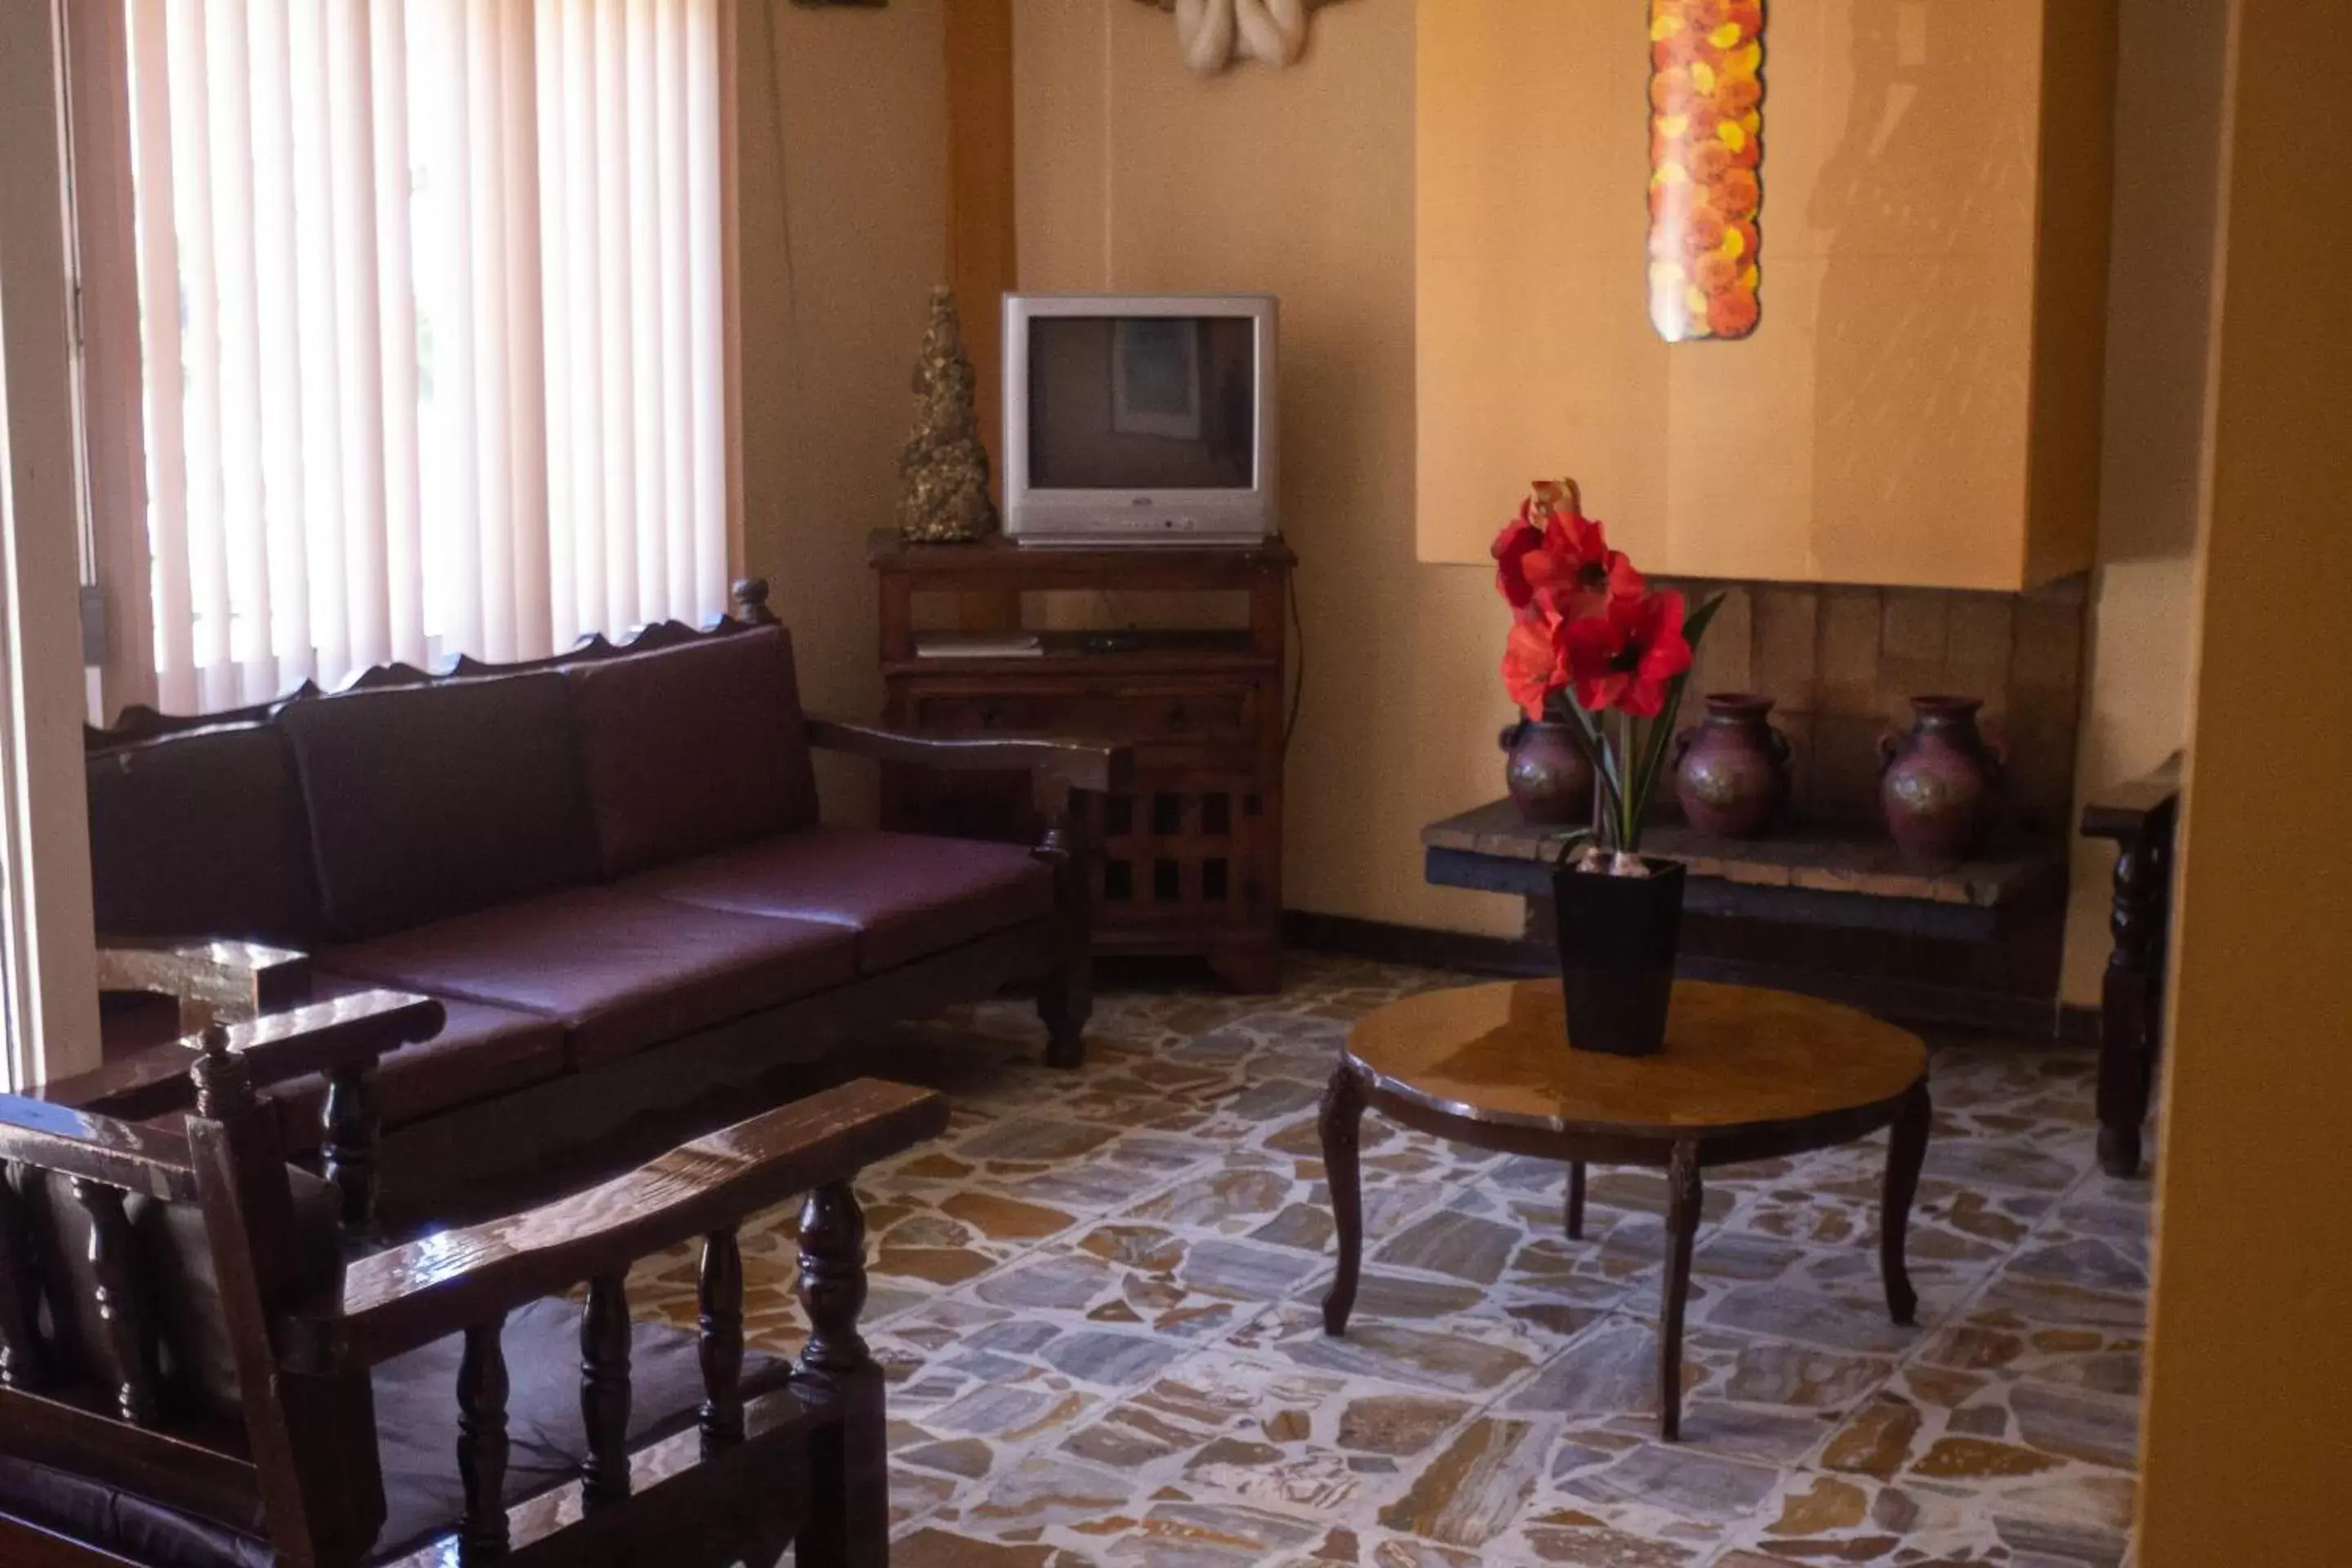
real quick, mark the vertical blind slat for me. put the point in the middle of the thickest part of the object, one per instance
(282, 631)
(705, 262)
(209, 595)
(612, 311)
(674, 533)
(359, 570)
(159, 346)
(554, 257)
(641, 129)
(526, 408)
(318, 278)
(227, 56)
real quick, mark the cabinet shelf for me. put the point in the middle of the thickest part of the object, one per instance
(1188, 859)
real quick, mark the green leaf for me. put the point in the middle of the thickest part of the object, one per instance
(1596, 751)
(1660, 739)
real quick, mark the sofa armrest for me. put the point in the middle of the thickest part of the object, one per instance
(446, 1283)
(231, 981)
(1067, 765)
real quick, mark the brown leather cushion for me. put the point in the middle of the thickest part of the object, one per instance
(480, 1052)
(416, 1429)
(693, 748)
(620, 970)
(175, 1262)
(905, 896)
(202, 834)
(432, 801)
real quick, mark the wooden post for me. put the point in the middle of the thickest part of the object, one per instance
(720, 1292)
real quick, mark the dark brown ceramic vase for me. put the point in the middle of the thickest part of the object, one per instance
(1550, 779)
(1936, 782)
(1732, 774)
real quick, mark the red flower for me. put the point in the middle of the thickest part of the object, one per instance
(1554, 560)
(1626, 658)
(1519, 540)
(1534, 666)
(1577, 571)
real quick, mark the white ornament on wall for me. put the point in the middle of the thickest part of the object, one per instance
(1210, 34)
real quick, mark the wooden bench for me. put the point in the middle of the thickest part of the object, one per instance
(190, 1373)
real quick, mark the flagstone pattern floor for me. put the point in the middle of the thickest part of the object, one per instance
(1097, 1300)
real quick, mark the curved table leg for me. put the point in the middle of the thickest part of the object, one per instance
(1575, 1201)
(1343, 1114)
(1685, 1197)
(1907, 1151)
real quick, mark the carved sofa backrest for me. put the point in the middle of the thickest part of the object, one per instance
(408, 797)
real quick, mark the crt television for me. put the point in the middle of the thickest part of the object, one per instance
(1138, 418)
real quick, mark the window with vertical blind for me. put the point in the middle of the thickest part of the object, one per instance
(432, 327)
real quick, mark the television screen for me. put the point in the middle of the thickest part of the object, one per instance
(1135, 403)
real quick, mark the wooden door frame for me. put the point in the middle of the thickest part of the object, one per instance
(51, 953)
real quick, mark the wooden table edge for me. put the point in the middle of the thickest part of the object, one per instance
(1627, 1144)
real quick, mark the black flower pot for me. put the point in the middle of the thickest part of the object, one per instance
(1618, 936)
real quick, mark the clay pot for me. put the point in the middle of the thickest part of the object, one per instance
(1936, 783)
(1732, 772)
(1550, 779)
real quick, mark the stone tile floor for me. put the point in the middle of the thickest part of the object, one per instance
(1097, 1298)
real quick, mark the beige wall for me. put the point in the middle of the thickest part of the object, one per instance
(1134, 175)
(1917, 405)
(2167, 118)
(2244, 1453)
(839, 253)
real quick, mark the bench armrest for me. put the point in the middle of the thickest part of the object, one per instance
(1070, 764)
(323, 1037)
(231, 981)
(440, 1285)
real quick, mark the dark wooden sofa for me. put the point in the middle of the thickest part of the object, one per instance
(608, 867)
(191, 1376)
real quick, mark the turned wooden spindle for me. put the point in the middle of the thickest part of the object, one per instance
(482, 1444)
(23, 1359)
(720, 1292)
(354, 1126)
(833, 1281)
(1065, 996)
(113, 1269)
(605, 1391)
(223, 1082)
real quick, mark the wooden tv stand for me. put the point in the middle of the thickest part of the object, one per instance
(1191, 859)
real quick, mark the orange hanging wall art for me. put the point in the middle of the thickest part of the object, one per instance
(1706, 152)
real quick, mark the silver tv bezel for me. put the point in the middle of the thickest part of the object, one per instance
(1094, 517)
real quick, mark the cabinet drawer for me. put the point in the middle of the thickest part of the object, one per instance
(1187, 713)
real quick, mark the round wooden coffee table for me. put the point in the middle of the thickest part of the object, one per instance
(1746, 1074)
